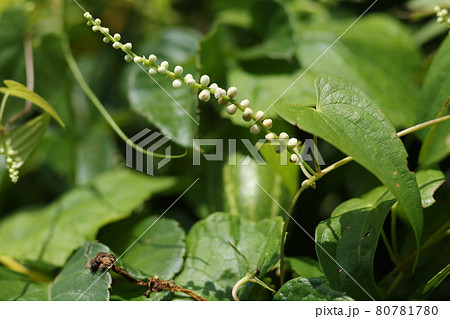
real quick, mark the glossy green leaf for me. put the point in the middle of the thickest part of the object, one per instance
(246, 198)
(360, 57)
(212, 267)
(50, 234)
(158, 252)
(346, 118)
(432, 284)
(309, 289)
(435, 92)
(15, 286)
(21, 141)
(305, 267)
(155, 101)
(76, 281)
(348, 240)
(16, 89)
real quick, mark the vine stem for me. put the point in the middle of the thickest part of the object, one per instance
(311, 181)
(237, 286)
(2, 108)
(91, 95)
(388, 247)
(285, 226)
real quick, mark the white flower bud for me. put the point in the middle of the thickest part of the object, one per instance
(268, 123)
(232, 92)
(292, 142)
(270, 137)
(95, 28)
(247, 115)
(98, 21)
(222, 101)
(128, 46)
(214, 86)
(231, 109)
(89, 23)
(152, 71)
(127, 58)
(106, 40)
(152, 58)
(284, 136)
(178, 70)
(190, 82)
(245, 103)
(255, 129)
(440, 20)
(165, 64)
(117, 36)
(204, 80)
(176, 83)
(259, 116)
(219, 93)
(204, 95)
(437, 9)
(105, 30)
(188, 76)
(162, 69)
(116, 45)
(87, 15)
(293, 158)
(137, 59)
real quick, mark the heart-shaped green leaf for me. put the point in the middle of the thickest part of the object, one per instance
(212, 267)
(346, 118)
(346, 242)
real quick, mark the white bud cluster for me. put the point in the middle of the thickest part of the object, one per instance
(13, 163)
(224, 97)
(442, 16)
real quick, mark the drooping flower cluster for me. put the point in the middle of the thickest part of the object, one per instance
(442, 16)
(204, 89)
(13, 163)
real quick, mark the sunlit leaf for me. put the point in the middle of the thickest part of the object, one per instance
(212, 267)
(346, 118)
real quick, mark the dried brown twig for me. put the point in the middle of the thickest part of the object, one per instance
(104, 262)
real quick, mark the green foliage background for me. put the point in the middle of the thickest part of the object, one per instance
(75, 196)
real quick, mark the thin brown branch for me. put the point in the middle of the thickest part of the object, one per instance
(104, 262)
